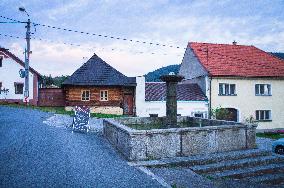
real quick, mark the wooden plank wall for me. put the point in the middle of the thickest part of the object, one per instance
(51, 97)
(73, 96)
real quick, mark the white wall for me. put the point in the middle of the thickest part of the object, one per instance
(144, 108)
(247, 103)
(9, 74)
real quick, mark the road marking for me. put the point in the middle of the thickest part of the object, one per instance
(157, 178)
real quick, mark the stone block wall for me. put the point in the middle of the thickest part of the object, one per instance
(176, 142)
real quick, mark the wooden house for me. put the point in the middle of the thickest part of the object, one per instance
(101, 87)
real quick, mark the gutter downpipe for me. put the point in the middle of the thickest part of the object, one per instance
(210, 103)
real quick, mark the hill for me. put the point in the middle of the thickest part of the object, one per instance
(278, 54)
(154, 75)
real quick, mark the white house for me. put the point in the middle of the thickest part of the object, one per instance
(151, 99)
(11, 84)
(243, 79)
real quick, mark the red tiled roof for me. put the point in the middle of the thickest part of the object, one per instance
(237, 60)
(156, 91)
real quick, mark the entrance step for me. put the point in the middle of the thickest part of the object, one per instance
(237, 164)
(247, 172)
(203, 159)
(273, 178)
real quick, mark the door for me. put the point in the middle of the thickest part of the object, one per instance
(231, 114)
(128, 104)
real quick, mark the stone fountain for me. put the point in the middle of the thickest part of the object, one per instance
(172, 140)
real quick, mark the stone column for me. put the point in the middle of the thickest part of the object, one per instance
(171, 101)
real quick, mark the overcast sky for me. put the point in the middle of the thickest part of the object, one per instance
(249, 22)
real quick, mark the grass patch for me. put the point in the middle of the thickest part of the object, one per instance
(56, 110)
(270, 135)
(209, 177)
(60, 110)
(98, 115)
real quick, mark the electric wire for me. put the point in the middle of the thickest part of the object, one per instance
(90, 48)
(99, 35)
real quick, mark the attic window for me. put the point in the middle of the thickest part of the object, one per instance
(1, 59)
(85, 95)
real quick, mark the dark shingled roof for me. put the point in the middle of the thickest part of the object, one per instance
(156, 91)
(96, 72)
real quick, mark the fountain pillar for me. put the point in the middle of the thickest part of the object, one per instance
(171, 100)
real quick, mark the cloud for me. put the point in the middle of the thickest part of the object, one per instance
(66, 8)
(166, 22)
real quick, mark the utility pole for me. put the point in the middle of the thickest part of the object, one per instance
(27, 61)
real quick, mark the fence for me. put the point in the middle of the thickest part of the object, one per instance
(51, 97)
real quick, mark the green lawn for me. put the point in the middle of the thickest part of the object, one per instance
(61, 110)
(270, 135)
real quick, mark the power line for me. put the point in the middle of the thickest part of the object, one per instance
(100, 35)
(10, 36)
(90, 49)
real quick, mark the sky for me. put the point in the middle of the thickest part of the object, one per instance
(169, 22)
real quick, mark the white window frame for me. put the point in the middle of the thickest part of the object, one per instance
(260, 115)
(103, 95)
(84, 96)
(222, 86)
(266, 89)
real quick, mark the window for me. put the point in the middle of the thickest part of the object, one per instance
(18, 88)
(104, 95)
(85, 95)
(227, 89)
(0, 87)
(263, 115)
(198, 115)
(1, 59)
(263, 89)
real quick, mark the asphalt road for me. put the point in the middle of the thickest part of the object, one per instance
(33, 154)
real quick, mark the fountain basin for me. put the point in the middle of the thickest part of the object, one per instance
(196, 136)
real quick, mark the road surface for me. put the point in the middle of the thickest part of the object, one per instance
(33, 154)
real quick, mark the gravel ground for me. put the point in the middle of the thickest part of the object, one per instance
(59, 120)
(33, 154)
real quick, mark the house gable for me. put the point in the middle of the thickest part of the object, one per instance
(6, 54)
(191, 67)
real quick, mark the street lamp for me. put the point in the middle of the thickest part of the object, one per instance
(27, 56)
(22, 9)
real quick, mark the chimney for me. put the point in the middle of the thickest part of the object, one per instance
(234, 42)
